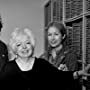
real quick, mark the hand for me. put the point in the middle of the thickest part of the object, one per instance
(63, 67)
(85, 71)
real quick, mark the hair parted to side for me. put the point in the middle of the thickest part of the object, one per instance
(62, 29)
(59, 25)
(16, 33)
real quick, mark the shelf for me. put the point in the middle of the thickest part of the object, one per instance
(75, 14)
(87, 13)
(77, 17)
(74, 18)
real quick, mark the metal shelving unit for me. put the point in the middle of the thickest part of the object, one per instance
(75, 14)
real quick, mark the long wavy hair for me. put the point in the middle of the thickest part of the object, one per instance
(62, 29)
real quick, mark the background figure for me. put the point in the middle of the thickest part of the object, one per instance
(3, 52)
(58, 52)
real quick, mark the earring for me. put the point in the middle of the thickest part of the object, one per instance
(64, 36)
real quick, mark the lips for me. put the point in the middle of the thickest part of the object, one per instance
(25, 51)
(53, 42)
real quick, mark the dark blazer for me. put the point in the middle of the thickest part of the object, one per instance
(3, 54)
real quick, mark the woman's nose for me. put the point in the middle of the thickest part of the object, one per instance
(24, 46)
(53, 37)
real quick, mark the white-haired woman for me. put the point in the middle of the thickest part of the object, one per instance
(22, 71)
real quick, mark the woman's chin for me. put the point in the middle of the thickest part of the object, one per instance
(54, 45)
(26, 55)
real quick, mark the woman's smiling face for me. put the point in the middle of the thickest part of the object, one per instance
(54, 37)
(23, 46)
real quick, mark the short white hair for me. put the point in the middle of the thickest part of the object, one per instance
(16, 33)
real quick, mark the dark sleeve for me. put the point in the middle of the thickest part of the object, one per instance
(3, 54)
(50, 77)
(5, 71)
(45, 66)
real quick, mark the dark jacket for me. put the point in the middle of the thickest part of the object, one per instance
(3, 54)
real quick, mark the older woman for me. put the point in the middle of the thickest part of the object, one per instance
(22, 71)
(24, 65)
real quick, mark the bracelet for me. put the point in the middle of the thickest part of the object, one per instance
(77, 73)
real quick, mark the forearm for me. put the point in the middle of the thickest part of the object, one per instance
(77, 74)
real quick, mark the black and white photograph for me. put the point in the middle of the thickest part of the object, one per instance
(44, 44)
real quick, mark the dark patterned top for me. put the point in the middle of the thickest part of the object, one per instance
(64, 56)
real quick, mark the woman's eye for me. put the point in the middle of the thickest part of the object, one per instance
(28, 43)
(18, 45)
(49, 34)
(56, 33)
